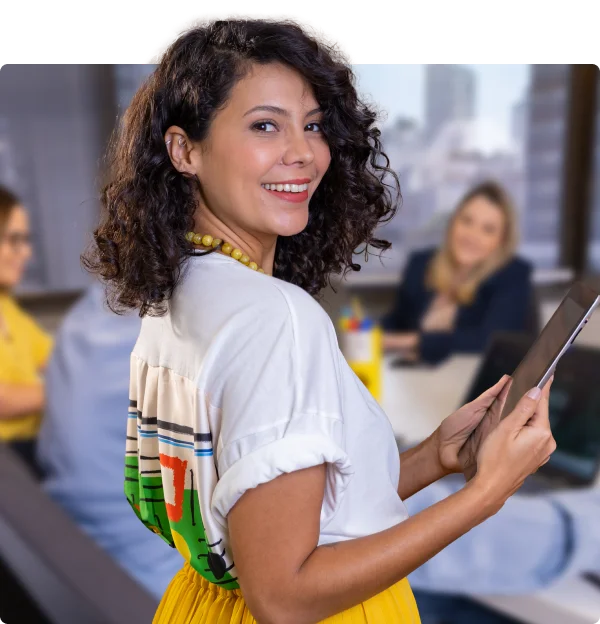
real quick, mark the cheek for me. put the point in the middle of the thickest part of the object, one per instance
(5, 257)
(457, 232)
(322, 157)
(493, 242)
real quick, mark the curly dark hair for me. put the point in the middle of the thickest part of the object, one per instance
(140, 249)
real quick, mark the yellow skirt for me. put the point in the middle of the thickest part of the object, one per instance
(190, 599)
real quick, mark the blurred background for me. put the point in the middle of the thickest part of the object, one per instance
(533, 129)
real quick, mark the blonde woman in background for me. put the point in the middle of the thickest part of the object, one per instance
(24, 346)
(452, 299)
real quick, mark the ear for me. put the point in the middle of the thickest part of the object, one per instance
(182, 151)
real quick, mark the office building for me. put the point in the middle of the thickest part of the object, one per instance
(544, 154)
(449, 96)
(518, 123)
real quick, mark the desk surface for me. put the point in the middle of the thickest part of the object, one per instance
(416, 400)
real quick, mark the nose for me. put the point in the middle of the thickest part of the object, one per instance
(298, 150)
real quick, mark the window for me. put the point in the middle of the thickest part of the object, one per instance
(594, 238)
(450, 126)
(53, 131)
(128, 79)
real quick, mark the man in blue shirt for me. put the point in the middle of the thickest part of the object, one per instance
(530, 543)
(533, 541)
(81, 444)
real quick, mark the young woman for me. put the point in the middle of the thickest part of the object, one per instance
(24, 346)
(246, 172)
(452, 299)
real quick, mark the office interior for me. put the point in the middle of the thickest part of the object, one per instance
(541, 142)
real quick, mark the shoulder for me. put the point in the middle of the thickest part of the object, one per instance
(513, 276)
(305, 312)
(18, 316)
(421, 257)
(517, 270)
(225, 294)
(417, 264)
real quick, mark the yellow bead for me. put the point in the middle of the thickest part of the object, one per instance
(236, 253)
(216, 242)
(197, 239)
(253, 266)
(260, 271)
(189, 237)
(244, 259)
(207, 240)
(227, 248)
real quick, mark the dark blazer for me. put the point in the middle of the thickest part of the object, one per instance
(503, 302)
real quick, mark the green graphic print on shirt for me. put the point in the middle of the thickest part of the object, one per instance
(169, 473)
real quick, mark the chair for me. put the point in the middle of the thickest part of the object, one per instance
(67, 578)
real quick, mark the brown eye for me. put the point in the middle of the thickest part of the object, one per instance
(312, 126)
(263, 126)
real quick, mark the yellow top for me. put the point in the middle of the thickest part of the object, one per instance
(24, 351)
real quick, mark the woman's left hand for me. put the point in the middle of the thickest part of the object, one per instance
(450, 436)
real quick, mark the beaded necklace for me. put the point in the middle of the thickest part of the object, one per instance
(227, 248)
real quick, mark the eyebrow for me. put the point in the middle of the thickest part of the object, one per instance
(279, 111)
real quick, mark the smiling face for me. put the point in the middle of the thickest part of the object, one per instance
(264, 155)
(477, 232)
(15, 248)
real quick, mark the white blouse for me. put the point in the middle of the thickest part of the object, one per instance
(242, 381)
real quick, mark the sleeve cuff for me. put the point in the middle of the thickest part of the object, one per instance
(287, 454)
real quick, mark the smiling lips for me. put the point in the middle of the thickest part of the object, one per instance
(294, 191)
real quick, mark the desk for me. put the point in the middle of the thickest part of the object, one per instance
(416, 400)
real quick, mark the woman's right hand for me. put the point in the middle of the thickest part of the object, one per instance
(516, 448)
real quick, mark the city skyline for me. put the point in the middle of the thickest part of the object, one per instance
(399, 91)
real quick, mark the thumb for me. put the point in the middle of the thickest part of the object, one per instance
(524, 410)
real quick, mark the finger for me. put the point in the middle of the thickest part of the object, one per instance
(491, 393)
(524, 410)
(504, 393)
(548, 386)
(542, 413)
(485, 399)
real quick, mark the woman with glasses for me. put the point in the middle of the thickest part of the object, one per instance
(24, 346)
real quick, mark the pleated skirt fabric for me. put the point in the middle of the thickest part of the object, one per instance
(191, 599)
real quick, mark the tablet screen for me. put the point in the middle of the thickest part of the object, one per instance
(546, 349)
(574, 404)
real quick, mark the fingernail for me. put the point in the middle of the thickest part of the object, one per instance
(534, 393)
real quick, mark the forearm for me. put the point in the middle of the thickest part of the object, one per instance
(339, 576)
(17, 401)
(419, 467)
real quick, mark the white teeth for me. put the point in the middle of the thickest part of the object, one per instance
(288, 188)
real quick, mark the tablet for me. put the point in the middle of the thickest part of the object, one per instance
(537, 366)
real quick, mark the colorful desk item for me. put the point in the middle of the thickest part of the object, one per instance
(362, 348)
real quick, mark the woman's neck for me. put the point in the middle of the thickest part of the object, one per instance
(259, 249)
